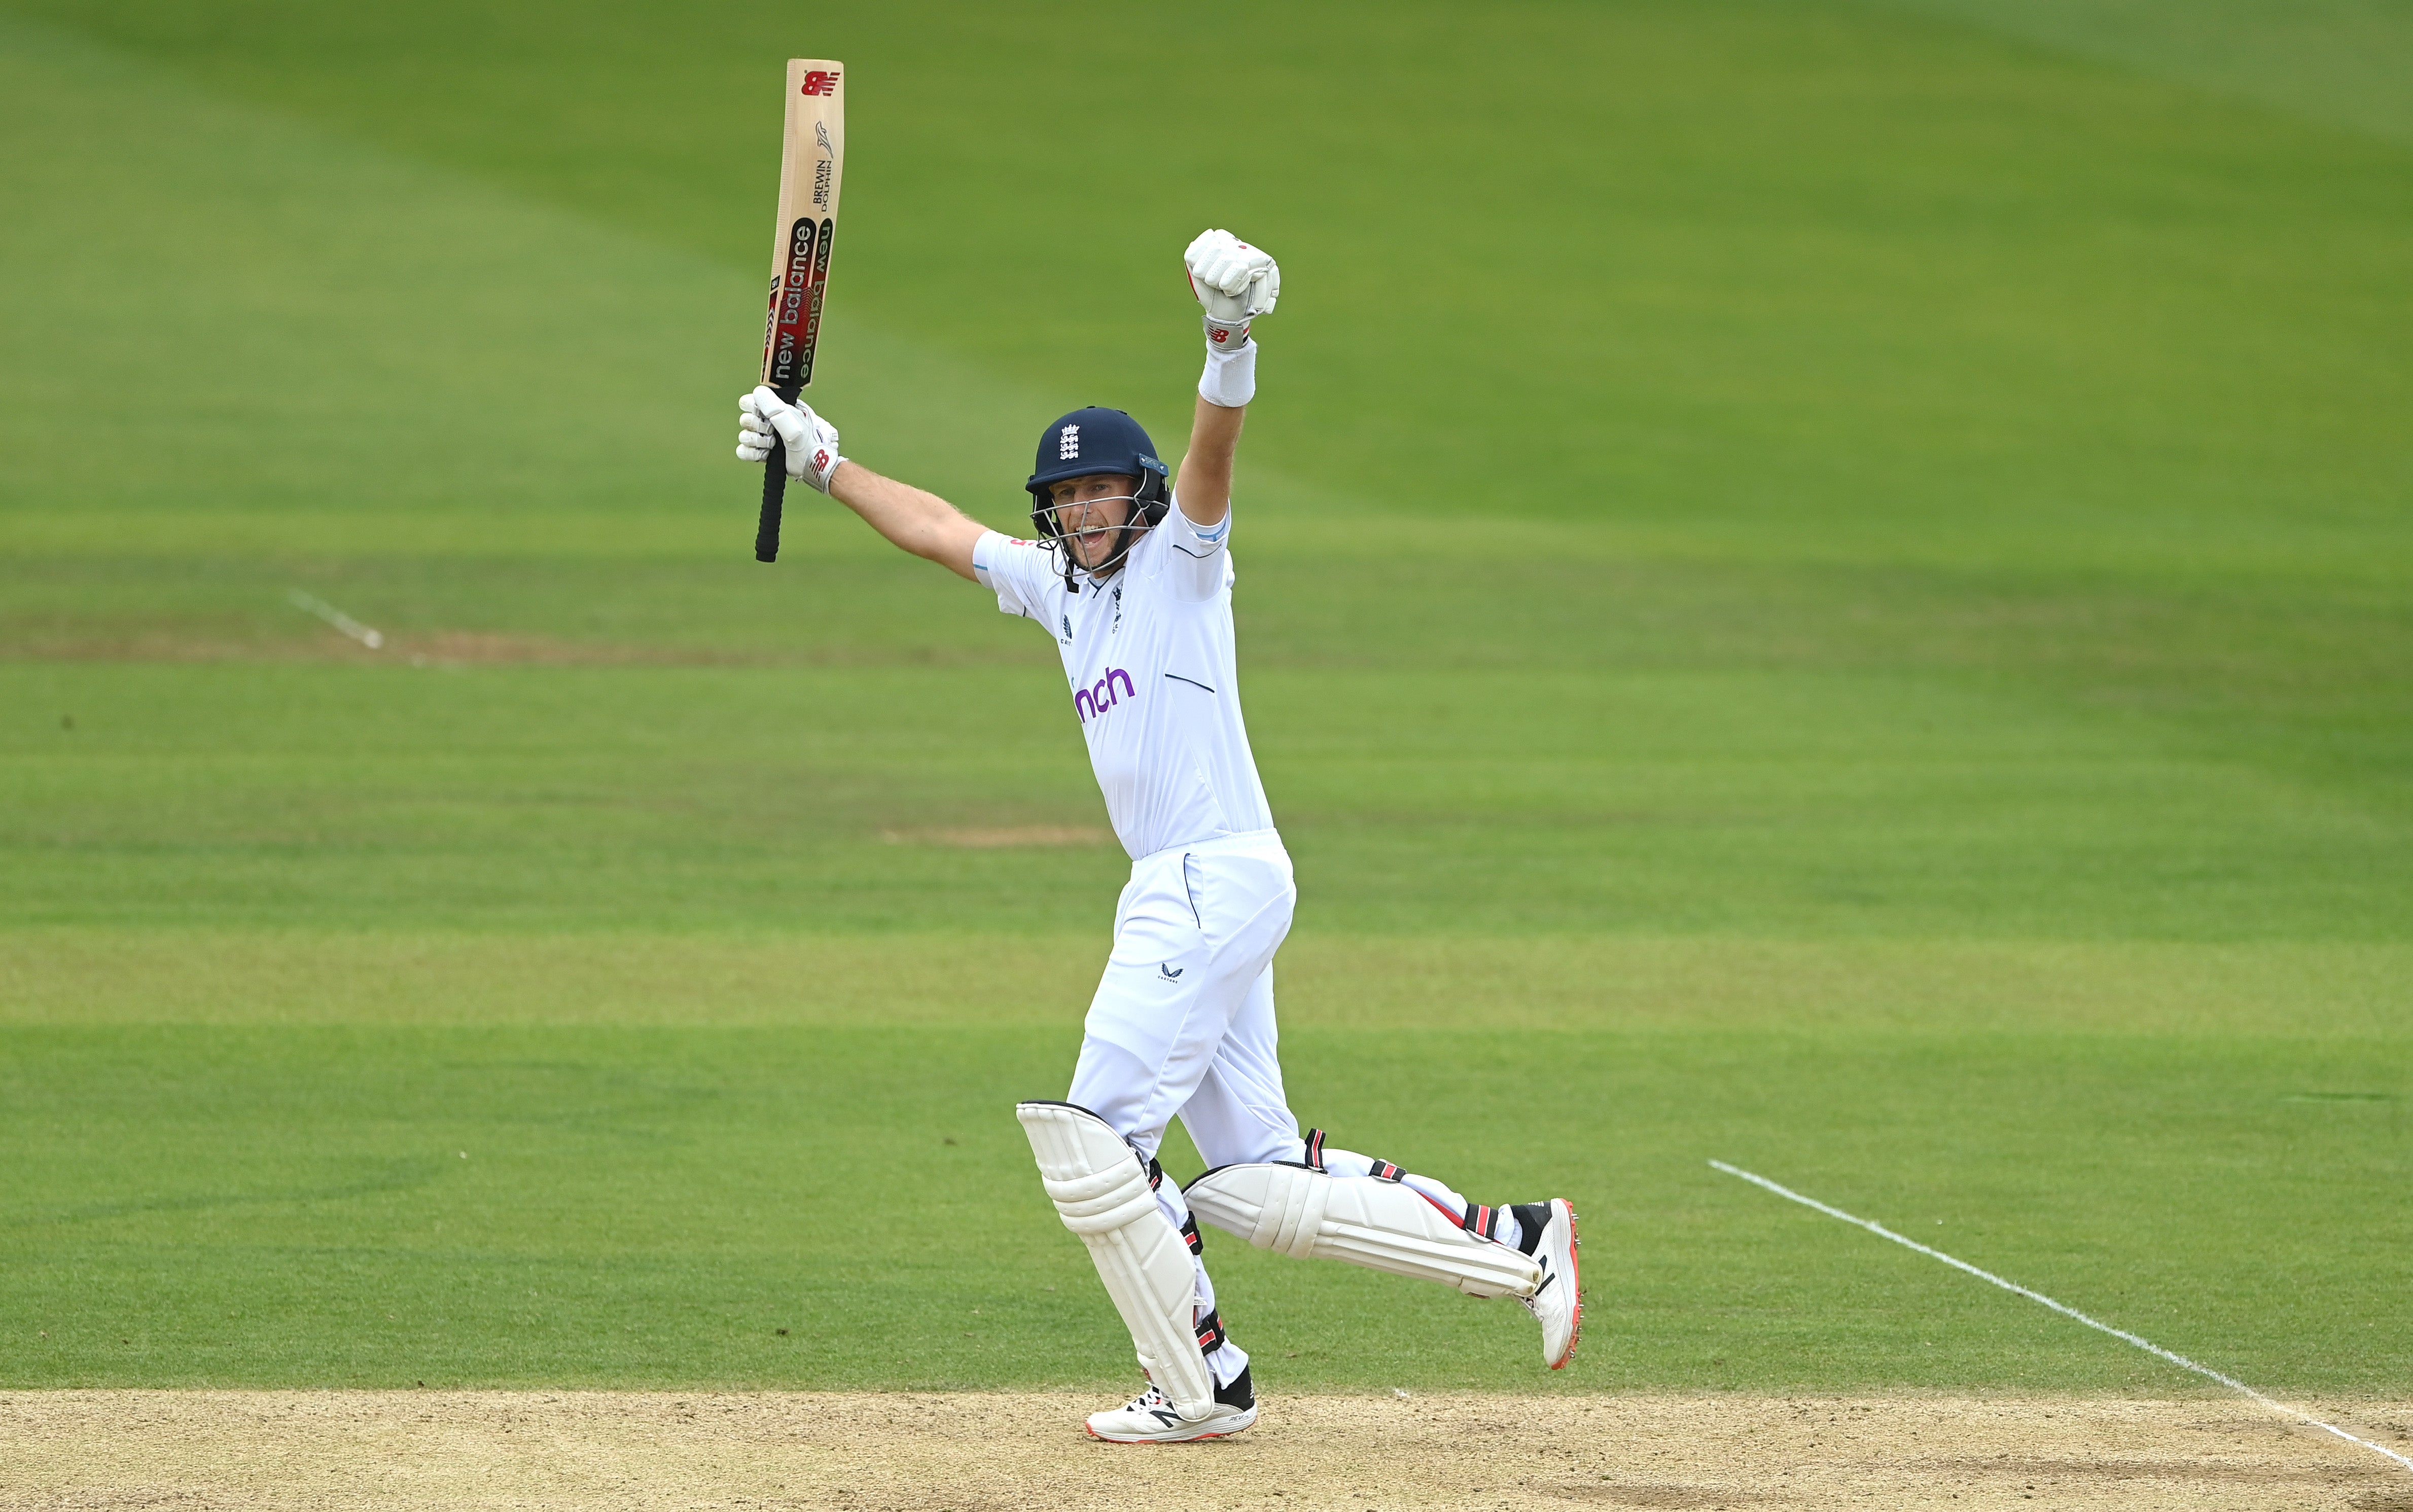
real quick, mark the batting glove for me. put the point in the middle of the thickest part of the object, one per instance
(1235, 283)
(811, 442)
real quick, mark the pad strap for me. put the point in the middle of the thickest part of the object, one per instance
(1189, 1224)
(1210, 1333)
(1481, 1222)
(1315, 1149)
(1531, 1219)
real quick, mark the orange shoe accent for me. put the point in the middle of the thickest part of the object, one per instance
(1575, 1277)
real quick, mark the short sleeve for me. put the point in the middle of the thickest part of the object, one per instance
(1017, 572)
(1195, 559)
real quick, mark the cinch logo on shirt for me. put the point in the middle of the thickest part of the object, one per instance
(1090, 700)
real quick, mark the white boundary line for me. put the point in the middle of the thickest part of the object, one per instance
(2122, 1334)
(336, 617)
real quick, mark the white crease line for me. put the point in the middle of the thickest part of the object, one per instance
(2147, 1346)
(336, 617)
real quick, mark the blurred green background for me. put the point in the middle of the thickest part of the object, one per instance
(1824, 584)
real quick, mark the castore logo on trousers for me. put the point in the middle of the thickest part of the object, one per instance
(1096, 700)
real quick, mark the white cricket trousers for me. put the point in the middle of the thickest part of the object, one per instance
(1183, 1026)
(1183, 1020)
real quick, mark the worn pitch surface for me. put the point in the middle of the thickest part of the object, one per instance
(967, 1451)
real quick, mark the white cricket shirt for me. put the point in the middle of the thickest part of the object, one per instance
(1148, 658)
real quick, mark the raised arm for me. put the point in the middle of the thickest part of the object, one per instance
(912, 519)
(1205, 486)
(1235, 284)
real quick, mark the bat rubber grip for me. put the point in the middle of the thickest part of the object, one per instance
(775, 493)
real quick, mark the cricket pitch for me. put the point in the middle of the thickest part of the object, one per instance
(988, 1452)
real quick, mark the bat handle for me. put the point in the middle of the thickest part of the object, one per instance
(775, 492)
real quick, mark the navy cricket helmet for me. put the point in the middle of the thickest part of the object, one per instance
(1099, 440)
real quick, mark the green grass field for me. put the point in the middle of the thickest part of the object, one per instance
(1861, 626)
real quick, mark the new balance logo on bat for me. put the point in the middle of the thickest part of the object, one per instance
(793, 328)
(821, 82)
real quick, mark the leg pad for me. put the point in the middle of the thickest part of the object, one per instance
(1383, 1225)
(1101, 1189)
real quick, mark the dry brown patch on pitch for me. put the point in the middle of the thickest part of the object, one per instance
(73, 1451)
(477, 648)
(463, 648)
(468, 648)
(1007, 838)
(167, 646)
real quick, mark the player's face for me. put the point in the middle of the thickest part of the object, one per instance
(1090, 513)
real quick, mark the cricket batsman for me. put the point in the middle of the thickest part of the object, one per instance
(1131, 574)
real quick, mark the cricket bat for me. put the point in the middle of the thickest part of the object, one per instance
(812, 154)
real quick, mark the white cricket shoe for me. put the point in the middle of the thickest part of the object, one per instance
(1557, 1304)
(1150, 1418)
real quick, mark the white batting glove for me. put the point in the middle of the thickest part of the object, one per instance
(1235, 284)
(763, 416)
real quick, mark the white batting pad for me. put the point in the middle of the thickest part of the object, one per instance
(1381, 1225)
(1101, 1189)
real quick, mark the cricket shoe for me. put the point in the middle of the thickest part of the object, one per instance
(1149, 1417)
(1557, 1304)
